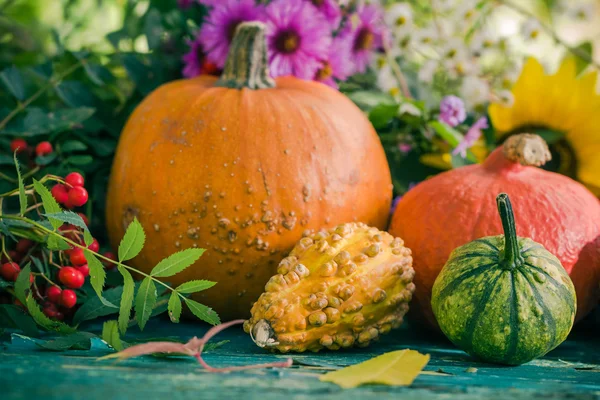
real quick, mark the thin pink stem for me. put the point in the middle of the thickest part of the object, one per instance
(281, 364)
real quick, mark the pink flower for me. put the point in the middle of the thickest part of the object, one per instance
(452, 111)
(298, 37)
(209, 3)
(184, 3)
(195, 62)
(337, 65)
(330, 10)
(368, 30)
(220, 25)
(472, 135)
(404, 147)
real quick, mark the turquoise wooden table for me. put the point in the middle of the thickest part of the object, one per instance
(572, 371)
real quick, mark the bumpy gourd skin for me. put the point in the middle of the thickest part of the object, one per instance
(501, 315)
(336, 289)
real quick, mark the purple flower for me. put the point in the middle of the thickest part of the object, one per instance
(184, 3)
(330, 10)
(194, 61)
(368, 30)
(209, 3)
(298, 37)
(472, 135)
(220, 25)
(452, 110)
(404, 147)
(337, 65)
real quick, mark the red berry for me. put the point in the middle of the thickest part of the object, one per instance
(31, 278)
(74, 179)
(53, 294)
(10, 271)
(94, 246)
(77, 256)
(60, 193)
(84, 269)
(78, 196)
(23, 245)
(18, 145)
(71, 278)
(110, 255)
(68, 298)
(50, 310)
(84, 218)
(43, 148)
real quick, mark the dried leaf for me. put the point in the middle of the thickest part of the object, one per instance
(396, 368)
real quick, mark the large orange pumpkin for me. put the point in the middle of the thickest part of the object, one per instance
(457, 207)
(242, 166)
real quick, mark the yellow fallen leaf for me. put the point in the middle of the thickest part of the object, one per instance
(396, 368)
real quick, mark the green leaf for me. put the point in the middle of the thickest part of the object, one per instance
(38, 122)
(94, 308)
(153, 28)
(580, 63)
(195, 286)
(132, 242)
(450, 135)
(57, 243)
(49, 203)
(22, 195)
(70, 146)
(41, 319)
(369, 99)
(79, 160)
(97, 73)
(176, 262)
(97, 276)
(75, 94)
(13, 80)
(75, 219)
(145, 301)
(550, 136)
(46, 159)
(457, 161)
(382, 114)
(22, 284)
(126, 299)
(19, 319)
(5, 231)
(77, 340)
(174, 307)
(110, 334)
(203, 312)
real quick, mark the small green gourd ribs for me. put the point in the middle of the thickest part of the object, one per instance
(504, 299)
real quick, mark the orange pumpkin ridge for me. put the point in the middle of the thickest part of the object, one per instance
(243, 173)
(457, 207)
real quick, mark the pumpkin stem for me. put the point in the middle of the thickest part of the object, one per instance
(247, 64)
(512, 257)
(527, 149)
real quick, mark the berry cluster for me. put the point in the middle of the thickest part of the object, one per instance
(72, 193)
(21, 146)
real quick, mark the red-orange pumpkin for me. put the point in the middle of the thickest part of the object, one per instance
(456, 207)
(242, 166)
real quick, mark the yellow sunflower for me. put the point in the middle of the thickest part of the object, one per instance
(565, 103)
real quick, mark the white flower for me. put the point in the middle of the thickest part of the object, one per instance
(474, 91)
(461, 66)
(581, 12)
(531, 29)
(482, 42)
(443, 5)
(505, 98)
(427, 71)
(465, 12)
(454, 49)
(424, 36)
(386, 80)
(510, 76)
(399, 17)
(410, 109)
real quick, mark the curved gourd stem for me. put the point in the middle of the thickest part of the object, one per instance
(247, 63)
(527, 149)
(512, 253)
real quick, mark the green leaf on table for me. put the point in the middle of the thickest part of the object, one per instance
(195, 286)
(97, 276)
(396, 368)
(203, 312)
(94, 308)
(12, 78)
(19, 319)
(57, 243)
(451, 136)
(22, 284)
(42, 320)
(174, 307)
(72, 218)
(176, 262)
(49, 203)
(76, 341)
(22, 195)
(110, 334)
(126, 299)
(145, 301)
(132, 242)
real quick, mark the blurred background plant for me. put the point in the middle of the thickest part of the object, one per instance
(425, 72)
